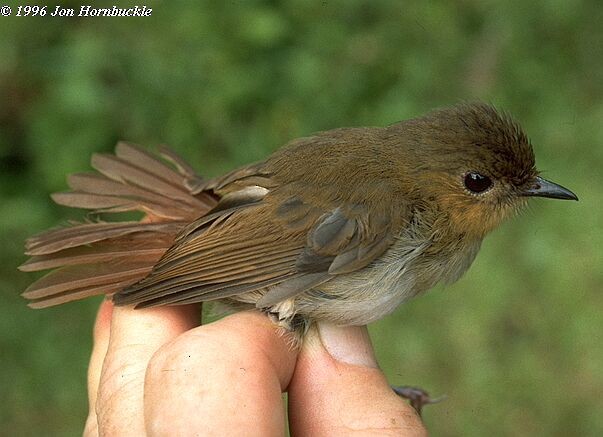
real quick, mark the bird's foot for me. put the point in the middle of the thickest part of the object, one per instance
(417, 397)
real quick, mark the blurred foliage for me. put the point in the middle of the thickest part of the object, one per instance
(516, 344)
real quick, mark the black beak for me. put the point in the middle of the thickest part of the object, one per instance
(543, 188)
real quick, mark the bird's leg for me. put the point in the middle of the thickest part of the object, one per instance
(417, 396)
(292, 329)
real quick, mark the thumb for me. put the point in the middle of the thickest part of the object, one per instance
(338, 389)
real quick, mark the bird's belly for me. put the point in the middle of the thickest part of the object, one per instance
(366, 295)
(403, 272)
(363, 298)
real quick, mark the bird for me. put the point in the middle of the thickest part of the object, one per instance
(341, 226)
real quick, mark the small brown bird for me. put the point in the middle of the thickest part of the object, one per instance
(342, 226)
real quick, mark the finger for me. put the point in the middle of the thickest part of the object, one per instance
(337, 389)
(135, 336)
(225, 378)
(99, 350)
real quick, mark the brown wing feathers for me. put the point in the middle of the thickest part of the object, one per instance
(97, 258)
(245, 249)
(259, 236)
(241, 253)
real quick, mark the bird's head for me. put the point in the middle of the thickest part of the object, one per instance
(476, 164)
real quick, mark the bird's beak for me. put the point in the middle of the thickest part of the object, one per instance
(543, 188)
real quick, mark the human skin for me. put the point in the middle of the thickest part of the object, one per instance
(157, 372)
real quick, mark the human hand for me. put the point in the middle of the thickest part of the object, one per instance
(156, 372)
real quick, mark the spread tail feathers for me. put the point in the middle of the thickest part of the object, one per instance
(105, 257)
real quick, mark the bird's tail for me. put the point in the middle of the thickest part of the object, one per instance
(93, 258)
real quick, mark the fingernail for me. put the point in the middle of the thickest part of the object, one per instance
(350, 345)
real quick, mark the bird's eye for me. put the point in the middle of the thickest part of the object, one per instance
(477, 183)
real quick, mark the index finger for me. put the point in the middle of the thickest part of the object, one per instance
(224, 378)
(118, 364)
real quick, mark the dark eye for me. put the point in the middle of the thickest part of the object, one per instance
(477, 183)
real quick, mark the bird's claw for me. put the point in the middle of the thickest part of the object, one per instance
(417, 397)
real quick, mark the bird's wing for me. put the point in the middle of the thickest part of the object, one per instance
(341, 240)
(258, 239)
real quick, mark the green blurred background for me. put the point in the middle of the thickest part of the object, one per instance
(516, 344)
